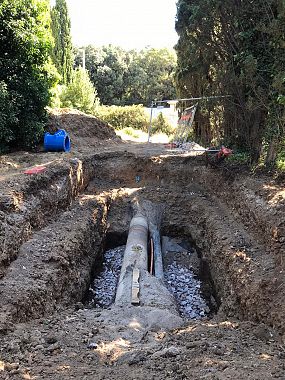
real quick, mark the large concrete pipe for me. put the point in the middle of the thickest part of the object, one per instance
(157, 306)
(135, 257)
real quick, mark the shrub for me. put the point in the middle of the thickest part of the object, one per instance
(80, 93)
(280, 162)
(55, 96)
(7, 117)
(120, 117)
(161, 124)
(241, 158)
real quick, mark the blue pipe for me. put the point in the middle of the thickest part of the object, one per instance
(57, 142)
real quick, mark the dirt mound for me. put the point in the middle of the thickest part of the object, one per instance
(84, 130)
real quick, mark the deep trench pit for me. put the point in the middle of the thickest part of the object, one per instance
(59, 274)
(186, 276)
(53, 268)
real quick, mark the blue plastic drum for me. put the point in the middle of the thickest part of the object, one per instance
(57, 142)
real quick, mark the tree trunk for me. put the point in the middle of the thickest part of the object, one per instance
(272, 151)
(257, 122)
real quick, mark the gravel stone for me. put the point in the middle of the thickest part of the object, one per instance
(102, 291)
(185, 287)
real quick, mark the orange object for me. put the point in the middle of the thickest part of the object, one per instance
(35, 170)
(224, 152)
(151, 257)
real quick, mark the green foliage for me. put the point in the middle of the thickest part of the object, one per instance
(234, 48)
(80, 92)
(25, 70)
(151, 76)
(107, 67)
(62, 52)
(7, 117)
(130, 77)
(280, 164)
(131, 132)
(160, 124)
(280, 161)
(56, 93)
(241, 158)
(120, 117)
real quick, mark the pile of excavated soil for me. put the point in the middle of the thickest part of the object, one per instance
(84, 130)
(87, 133)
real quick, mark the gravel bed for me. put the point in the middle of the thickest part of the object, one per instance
(102, 291)
(185, 287)
(180, 281)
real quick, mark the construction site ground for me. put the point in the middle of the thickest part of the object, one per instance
(55, 226)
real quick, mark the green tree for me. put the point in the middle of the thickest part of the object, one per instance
(151, 76)
(232, 48)
(130, 77)
(8, 116)
(62, 52)
(80, 92)
(26, 73)
(107, 67)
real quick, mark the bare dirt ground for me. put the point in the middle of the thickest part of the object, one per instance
(55, 225)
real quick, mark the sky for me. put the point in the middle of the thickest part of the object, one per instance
(131, 24)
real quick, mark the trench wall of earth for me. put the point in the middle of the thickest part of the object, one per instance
(54, 227)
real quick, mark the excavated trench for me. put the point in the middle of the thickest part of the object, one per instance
(75, 254)
(186, 276)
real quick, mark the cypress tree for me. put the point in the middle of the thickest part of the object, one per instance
(62, 51)
(234, 48)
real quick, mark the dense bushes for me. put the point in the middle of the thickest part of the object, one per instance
(161, 124)
(121, 117)
(25, 72)
(133, 117)
(7, 117)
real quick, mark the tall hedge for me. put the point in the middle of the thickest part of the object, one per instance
(25, 71)
(120, 117)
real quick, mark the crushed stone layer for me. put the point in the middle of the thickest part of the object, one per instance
(102, 290)
(185, 287)
(180, 281)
